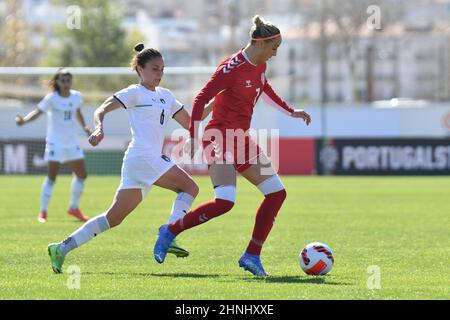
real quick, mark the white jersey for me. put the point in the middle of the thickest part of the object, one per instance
(62, 128)
(148, 113)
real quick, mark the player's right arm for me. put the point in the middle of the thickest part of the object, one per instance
(36, 113)
(44, 105)
(109, 105)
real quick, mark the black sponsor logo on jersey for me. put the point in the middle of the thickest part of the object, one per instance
(166, 158)
(162, 101)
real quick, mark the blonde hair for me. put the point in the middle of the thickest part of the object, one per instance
(262, 29)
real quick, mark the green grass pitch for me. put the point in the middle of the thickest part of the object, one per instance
(401, 225)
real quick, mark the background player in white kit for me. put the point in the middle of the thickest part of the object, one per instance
(62, 107)
(149, 108)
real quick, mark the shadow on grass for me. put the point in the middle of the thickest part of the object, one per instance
(146, 274)
(184, 275)
(296, 279)
(271, 279)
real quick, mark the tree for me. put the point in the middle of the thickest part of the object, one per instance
(99, 41)
(343, 25)
(350, 17)
(13, 32)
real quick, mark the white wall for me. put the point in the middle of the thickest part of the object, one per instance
(341, 121)
(362, 121)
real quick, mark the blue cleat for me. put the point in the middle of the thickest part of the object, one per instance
(253, 264)
(162, 245)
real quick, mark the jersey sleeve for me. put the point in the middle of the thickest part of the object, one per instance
(221, 80)
(274, 100)
(177, 106)
(45, 104)
(128, 97)
(80, 100)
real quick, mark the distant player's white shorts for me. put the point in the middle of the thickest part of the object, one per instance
(141, 172)
(62, 154)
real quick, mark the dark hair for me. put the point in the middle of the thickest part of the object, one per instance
(143, 56)
(263, 29)
(53, 85)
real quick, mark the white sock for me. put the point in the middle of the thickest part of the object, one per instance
(77, 190)
(181, 206)
(271, 185)
(46, 193)
(86, 232)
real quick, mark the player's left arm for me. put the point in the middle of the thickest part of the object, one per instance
(274, 100)
(184, 119)
(82, 123)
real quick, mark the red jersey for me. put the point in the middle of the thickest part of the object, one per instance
(236, 85)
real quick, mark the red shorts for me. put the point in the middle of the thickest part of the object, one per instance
(231, 147)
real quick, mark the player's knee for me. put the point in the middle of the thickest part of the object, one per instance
(189, 186)
(52, 177)
(225, 197)
(192, 189)
(271, 185)
(82, 176)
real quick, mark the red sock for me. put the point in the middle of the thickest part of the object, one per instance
(265, 217)
(201, 214)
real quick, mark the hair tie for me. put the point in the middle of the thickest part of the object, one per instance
(139, 47)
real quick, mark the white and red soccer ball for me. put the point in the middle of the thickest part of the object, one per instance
(316, 259)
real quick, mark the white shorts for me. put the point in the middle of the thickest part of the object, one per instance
(141, 172)
(62, 154)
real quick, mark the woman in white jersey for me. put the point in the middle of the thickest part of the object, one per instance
(62, 107)
(149, 108)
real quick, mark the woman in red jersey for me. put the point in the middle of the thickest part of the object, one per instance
(236, 86)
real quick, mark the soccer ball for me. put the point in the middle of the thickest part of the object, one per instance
(316, 259)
